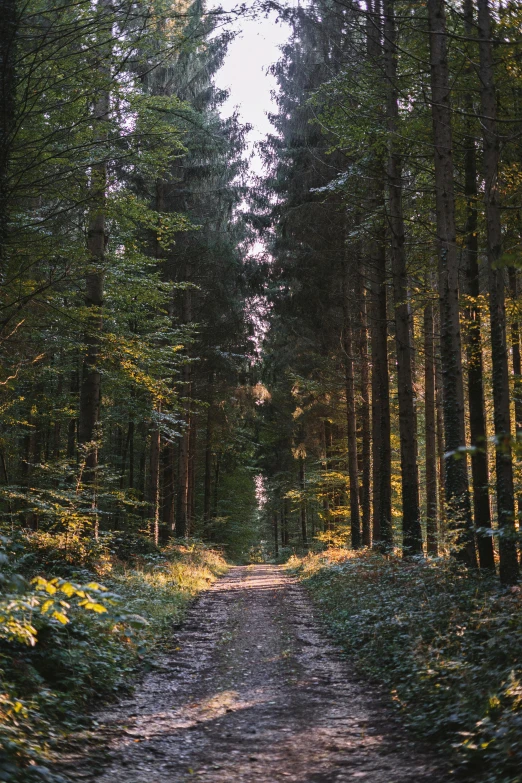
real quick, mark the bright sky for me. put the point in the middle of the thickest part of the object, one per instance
(253, 50)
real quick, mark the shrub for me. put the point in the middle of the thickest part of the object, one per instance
(446, 641)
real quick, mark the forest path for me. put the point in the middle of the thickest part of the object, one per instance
(253, 691)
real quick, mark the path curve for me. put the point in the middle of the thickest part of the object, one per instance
(254, 691)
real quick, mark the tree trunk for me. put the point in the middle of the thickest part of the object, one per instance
(411, 527)
(441, 463)
(353, 472)
(207, 494)
(154, 485)
(276, 535)
(456, 478)
(191, 500)
(497, 310)
(382, 528)
(72, 427)
(8, 33)
(473, 326)
(90, 391)
(364, 412)
(302, 509)
(517, 373)
(432, 536)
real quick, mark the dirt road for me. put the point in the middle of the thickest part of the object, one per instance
(254, 691)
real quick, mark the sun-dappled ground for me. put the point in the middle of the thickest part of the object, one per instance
(252, 690)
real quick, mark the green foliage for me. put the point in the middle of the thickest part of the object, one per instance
(446, 642)
(59, 657)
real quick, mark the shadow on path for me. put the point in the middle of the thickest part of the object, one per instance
(253, 691)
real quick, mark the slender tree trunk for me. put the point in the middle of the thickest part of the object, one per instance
(124, 454)
(353, 472)
(284, 523)
(8, 33)
(497, 310)
(207, 494)
(473, 325)
(276, 535)
(72, 427)
(131, 454)
(90, 390)
(432, 535)
(441, 463)
(168, 493)
(364, 412)
(456, 479)
(517, 374)
(381, 433)
(515, 348)
(154, 486)
(191, 500)
(411, 527)
(302, 509)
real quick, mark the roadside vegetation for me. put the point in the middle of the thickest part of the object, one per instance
(82, 636)
(446, 643)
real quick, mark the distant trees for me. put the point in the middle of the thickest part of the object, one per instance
(124, 332)
(395, 110)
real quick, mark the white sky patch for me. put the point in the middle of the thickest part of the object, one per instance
(244, 73)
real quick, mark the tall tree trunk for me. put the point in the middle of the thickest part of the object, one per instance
(517, 373)
(411, 527)
(497, 309)
(8, 32)
(515, 348)
(381, 433)
(432, 536)
(168, 492)
(191, 500)
(90, 390)
(154, 485)
(207, 492)
(473, 319)
(441, 462)
(364, 411)
(276, 534)
(302, 509)
(456, 479)
(353, 472)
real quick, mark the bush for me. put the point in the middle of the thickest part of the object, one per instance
(447, 642)
(65, 646)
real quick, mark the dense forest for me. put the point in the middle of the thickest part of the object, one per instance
(320, 365)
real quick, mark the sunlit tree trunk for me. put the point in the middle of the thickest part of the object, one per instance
(473, 334)
(456, 478)
(432, 533)
(353, 472)
(497, 309)
(364, 410)
(411, 527)
(90, 389)
(381, 432)
(154, 479)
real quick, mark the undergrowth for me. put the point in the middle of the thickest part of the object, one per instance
(445, 641)
(78, 621)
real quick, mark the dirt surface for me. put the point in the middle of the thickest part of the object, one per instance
(254, 691)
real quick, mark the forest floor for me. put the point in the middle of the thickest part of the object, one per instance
(252, 690)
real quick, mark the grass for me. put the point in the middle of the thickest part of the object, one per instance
(447, 643)
(46, 690)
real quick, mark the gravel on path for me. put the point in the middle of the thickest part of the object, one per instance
(253, 691)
